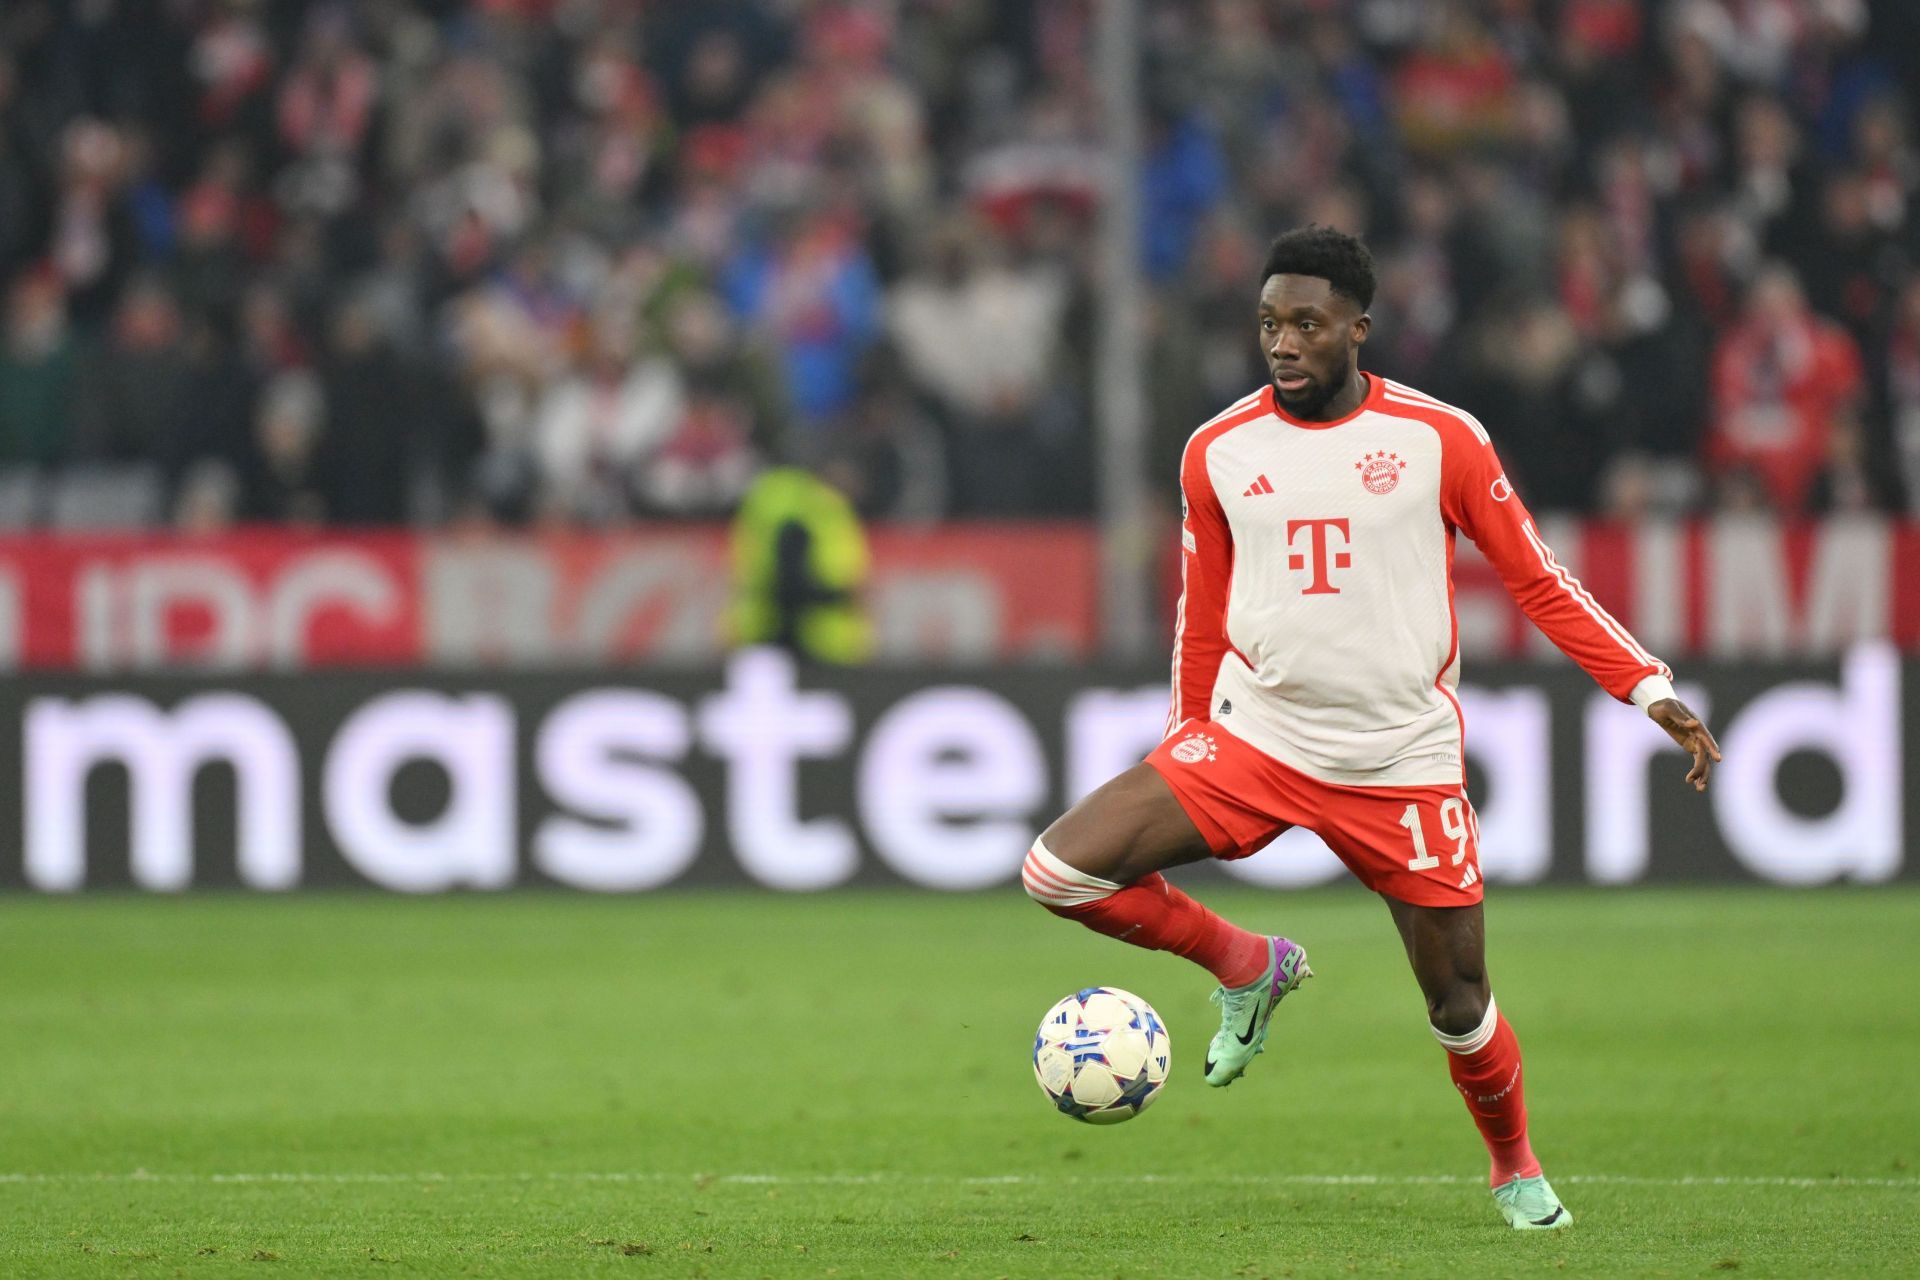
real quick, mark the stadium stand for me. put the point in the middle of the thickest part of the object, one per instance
(596, 260)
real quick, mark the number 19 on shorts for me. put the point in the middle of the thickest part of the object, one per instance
(1456, 820)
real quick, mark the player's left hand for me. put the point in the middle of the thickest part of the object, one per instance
(1690, 732)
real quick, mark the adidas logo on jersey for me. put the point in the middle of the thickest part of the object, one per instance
(1260, 486)
(1466, 881)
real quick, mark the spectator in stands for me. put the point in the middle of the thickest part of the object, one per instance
(600, 423)
(22, 205)
(810, 287)
(1457, 88)
(1551, 398)
(1773, 188)
(368, 457)
(221, 392)
(133, 402)
(208, 499)
(708, 460)
(1883, 152)
(1852, 481)
(734, 414)
(209, 264)
(1899, 391)
(979, 338)
(705, 341)
(284, 481)
(270, 340)
(844, 61)
(93, 244)
(38, 361)
(1784, 381)
(1182, 180)
(1416, 281)
(896, 450)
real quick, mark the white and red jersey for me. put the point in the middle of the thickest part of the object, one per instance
(1316, 618)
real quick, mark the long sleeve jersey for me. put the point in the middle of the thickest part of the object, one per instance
(1316, 615)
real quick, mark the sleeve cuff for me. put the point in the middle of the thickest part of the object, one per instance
(1650, 690)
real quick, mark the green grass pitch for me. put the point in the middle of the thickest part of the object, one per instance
(746, 1085)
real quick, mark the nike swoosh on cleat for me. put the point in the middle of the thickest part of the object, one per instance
(1551, 1218)
(1253, 1025)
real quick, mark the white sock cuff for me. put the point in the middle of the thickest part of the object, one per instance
(1475, 1040)
(1049, 880)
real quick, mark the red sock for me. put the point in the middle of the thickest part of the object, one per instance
(1485, 1064)
(1148, 913)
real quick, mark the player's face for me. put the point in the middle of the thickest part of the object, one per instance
(1311, 337)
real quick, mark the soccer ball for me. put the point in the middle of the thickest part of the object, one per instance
(1101, 1055)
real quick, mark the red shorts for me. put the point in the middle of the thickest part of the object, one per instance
(1417, 844)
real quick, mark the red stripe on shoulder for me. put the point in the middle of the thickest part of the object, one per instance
(1404, 402)
(1237, 414)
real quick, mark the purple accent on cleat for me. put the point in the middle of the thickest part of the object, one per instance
(1289, 966)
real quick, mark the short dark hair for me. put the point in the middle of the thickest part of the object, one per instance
(1334, 256)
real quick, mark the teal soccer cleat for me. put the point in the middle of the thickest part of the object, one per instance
(1530, 1205)
(1246, 1012)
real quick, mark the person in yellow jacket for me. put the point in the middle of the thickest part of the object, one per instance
(799, 564)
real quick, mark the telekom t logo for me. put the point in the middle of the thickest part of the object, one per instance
(1317, 535)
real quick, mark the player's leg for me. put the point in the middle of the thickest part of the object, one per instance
(1100, 864)
(1418, 848)
(1446, 946)
(1128, 828)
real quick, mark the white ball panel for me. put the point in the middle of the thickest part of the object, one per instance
(1126, 1052)
(1054, 1068)
(1094, 1086)
(1114, 1116)
(1052, 1032)
(1106, 1010)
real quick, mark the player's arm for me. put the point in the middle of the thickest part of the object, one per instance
(1206, 567)
(1478, 500)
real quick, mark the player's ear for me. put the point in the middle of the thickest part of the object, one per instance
(1360, 328)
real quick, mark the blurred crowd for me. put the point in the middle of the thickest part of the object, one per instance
(379, 261)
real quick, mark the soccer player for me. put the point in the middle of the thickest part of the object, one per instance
(1315, 657)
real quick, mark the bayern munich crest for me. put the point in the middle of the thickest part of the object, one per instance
(1380, 472)
(1194, 748)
